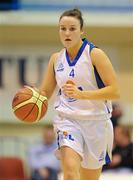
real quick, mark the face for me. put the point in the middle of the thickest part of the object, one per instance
(69, 31)
(48, 135)
(119, 135)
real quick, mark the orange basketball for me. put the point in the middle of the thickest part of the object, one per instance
(29, 105)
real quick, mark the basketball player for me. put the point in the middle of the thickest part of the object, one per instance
(87, 82)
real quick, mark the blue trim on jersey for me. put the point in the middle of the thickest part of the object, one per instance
(99, 81)
(107, 106)
(91, 46)
(72, 63)
(58, 139)
(107, 158)
(100, 84)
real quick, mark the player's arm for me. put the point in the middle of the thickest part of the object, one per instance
(48, 84)
(108, 76)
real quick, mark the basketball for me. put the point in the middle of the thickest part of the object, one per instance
(29, 105)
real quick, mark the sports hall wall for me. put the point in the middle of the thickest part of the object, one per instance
(28, 38)
(29, 35)
(34, 44)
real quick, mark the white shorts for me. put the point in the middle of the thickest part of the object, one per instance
(92, 140)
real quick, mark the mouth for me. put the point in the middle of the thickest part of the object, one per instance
(67, 40)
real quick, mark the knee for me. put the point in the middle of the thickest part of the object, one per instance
(90, 174)
(71, 171)
(70, 174)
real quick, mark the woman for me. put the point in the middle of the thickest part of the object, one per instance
(86, 82)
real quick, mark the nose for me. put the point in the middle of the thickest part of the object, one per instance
(67, 32)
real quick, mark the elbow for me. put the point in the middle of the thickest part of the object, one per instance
(46, 93)
(116, 93)
(43, 92)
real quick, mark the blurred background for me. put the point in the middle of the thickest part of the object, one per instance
(29, 35)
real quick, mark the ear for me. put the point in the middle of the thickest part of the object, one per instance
(82, 32)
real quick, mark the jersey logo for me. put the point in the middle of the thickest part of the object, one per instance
(101, 157)
(60, 67)
(65, 135)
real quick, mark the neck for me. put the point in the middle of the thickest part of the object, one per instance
(72, 52)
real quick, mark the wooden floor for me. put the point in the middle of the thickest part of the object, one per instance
(116, 176)
(112, 176)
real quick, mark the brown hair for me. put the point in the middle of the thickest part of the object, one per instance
(74, 13)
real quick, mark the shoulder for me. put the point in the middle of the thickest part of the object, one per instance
(98, 56)
(96, 52)
(54, 57)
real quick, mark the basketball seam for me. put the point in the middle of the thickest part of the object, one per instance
(44, 105)
(22, 102)
(39, 111)
(23, 93)
(30, 110)
(38, 100)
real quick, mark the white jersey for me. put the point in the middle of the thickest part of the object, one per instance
(82, 73)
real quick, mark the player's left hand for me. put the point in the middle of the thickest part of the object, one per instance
(71, 91)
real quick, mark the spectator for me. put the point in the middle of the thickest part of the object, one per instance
(43, 163)
(123, 150)
(116, 114)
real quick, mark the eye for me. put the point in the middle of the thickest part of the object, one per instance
(72, 29)
(63, 28)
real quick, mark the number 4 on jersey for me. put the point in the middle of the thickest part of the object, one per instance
(72, 73)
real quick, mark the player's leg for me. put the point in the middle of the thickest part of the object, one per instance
(70, 160)
(90, 174)
(70, 143)
(97, 148)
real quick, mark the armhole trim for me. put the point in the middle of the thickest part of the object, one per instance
(99, 81)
